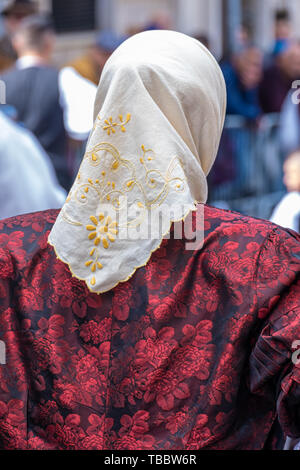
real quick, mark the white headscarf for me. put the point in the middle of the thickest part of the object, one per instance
(159, 115)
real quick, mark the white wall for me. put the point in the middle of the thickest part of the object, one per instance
(132, 13)
(202, 17)
(295, 9)
(192, 16)
(189, 16)
(215, 26)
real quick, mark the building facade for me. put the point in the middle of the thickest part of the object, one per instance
(206, 17)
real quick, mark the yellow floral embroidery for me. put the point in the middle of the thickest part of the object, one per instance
(148, 155)
(103, 230)
(111, 125)
(110, 159)
(115, 177)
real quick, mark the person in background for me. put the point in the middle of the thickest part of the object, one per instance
(32, 87)
(287, 213)
(279, 76)
(46, 99)
(243, 36)
(27, 178)
(282, 30)
(12, 12)
(242, 76)
(91, 64)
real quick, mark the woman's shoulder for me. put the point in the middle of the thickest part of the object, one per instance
(246, 248)
(26, 220)
(230, 224)
(232, 217)
(22, 237)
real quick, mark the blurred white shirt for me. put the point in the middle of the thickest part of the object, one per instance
(27, 179)
(287, 213)
(77, 98)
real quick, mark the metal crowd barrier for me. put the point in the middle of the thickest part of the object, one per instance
(254, 184)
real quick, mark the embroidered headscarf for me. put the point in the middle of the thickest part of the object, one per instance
(159, 114)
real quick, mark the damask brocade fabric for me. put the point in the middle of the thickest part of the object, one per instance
(194, 352)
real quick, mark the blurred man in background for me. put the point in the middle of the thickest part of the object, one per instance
(32, 87)
(242, 76)
(91, 64)
(279, 76)
(282, 30)
(12, 12)
(49, 103)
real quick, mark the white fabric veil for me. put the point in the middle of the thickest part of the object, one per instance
(159, 115)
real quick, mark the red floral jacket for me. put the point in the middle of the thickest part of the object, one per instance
(197, 351)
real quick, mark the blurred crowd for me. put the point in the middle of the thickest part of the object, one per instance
(262, 93)
(258, 83)
(48, 112)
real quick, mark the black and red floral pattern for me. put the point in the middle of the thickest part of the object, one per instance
(194, 352)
